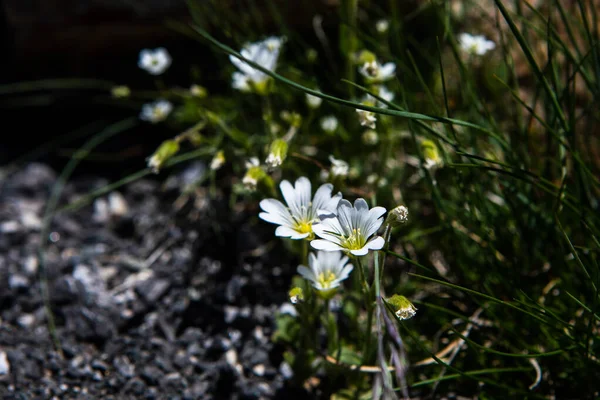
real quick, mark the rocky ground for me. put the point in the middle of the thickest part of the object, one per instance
(155, 295)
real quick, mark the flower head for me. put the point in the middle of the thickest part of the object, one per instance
(338, 167)
(329, 123)
(313, 101)
(382, 26)
(327, 270)
(351, 230)
(404, 308)
(157, 111)
(154, 61)
(296, 220)
(264, 53)
(254, 174)
(374, 72)
(277, 153)
(475, 44)
(366, 118)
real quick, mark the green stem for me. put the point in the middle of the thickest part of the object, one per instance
(304, 258)
(368, 304)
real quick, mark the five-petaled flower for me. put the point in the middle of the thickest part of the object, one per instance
(154, 61)
(296, 220)
(475, 44)
(157, 111)
(326, 272)
(265, 54)
(351, 230)
(377, 73)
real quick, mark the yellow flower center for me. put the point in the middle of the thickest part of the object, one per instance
(325, 279)
(355, 241)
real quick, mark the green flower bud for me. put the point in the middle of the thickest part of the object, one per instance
(253, 176)
(120, 92)
(365, 57)
(198, 91)
(370, 137)
(404, 308)
(277, 153)
(166, 150)
(296, 295)
(431, 154)
(218, 160)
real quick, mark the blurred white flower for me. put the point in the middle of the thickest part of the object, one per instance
(296, 220)
(313, 101)
(329, 123)
(351, 230)
(254, 173)
(382, 25)
(338, 167)
(382, 92)
(366, 118)
(375, 72)
(370, 137)
(265, 54)
(218, 160)
(326, 271)
(155, 61)
(475, 44)
(157, 111)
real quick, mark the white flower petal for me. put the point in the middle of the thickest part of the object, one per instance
(306, 273)
(275, 212)
(360, 252)
(325, 245)
(376, 243)
(387, 71)
(286, 231)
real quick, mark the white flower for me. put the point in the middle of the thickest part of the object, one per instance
(375, 72)
(327, 270)
(313, 101)
(338, 167)
(382, 25)
(366, 118)
(218, 160)
(154, 61)
(475, 44)
(296, 220)
(329, 124)
(351, 230)
(263, 53)
(157, 111)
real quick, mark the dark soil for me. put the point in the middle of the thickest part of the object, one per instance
(155, 295)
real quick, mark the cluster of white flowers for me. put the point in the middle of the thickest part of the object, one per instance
(264, 53)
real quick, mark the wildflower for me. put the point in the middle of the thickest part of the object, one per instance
(404, 308)
(157, 111)
(397, 216)
(296, 220)
(296, 295)
(263, 53)
(197, 91)
(370, 137)
(351, 230)
(218, 160)
(338, 167)
(329, 124)
(154, 61)
(374, 72)
(277, 153)
(120, 92)
(366, 118)
(382, 26)
(254, 174)
(327, 271)
(313, 101)
(431, 154)
(475, 44)
(166, 150)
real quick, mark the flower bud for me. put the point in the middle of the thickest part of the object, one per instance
(397, 216)
(253, 176)
(370, 137)
(198, 91)
(277, 153)
(431, 154)
(296, 295)
(313, 101)
(166, 150)
(218, 160)
(120, 92)
(404, 309)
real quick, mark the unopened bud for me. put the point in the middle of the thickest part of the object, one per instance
(313, 101)
(277, 153)
(197, 91)
(296, 295)
(253, 176)
(404, 309)
(431, 154)
(166, 150)
(397, 216)
(218, 160)
(370, 137)
(120, 92)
